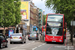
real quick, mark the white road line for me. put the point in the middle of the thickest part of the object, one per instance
(34, 48)
(38, 46)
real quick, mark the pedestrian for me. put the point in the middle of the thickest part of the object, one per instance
(37, 33)
(17, 30)
(24, 29)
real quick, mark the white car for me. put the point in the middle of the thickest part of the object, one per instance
(17, 37)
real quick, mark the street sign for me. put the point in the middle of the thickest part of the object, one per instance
(72, 23)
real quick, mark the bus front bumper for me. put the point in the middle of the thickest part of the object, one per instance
(53, 40)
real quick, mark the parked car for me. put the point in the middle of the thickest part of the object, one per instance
(33, 35)
(3, 41)
(17, 37)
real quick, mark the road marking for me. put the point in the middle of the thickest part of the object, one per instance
(38, 46)
(27, 44)
(65, 47)
(34, 48)
(13, 48)
(22, 45)
(69, 47)
(50, 47)
(41, 45)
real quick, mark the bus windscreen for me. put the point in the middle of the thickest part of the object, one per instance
(54, 24)
(55, 18)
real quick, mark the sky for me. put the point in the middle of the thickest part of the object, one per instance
(41, 4)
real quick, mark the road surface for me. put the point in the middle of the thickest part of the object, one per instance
(37, 45)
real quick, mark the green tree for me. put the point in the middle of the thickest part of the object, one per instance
(17, 11)
(44, 19)
(9, 13)
(1, 11)
(66, 7)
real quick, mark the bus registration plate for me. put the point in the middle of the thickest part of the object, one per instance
(53, 41)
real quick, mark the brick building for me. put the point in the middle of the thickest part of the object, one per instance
(34, 11)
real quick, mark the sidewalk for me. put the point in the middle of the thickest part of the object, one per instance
(68, 42)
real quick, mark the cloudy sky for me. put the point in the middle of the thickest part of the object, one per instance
(41, 4)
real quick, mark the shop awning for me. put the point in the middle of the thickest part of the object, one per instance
(3, 28)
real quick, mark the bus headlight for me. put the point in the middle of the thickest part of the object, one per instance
(60, 40)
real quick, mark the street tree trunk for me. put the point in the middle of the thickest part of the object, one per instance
(4, 31)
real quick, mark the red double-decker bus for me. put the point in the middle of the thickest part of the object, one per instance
(55, 28)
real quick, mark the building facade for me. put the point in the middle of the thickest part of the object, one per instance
(30, 14)
(34, 11)
(25, 13)
(40, 19)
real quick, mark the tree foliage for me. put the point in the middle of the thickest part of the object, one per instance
(9, 12)
(66, 7)
(1, 12)
(44, 19)
(17, 11)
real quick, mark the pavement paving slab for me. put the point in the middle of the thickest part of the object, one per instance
(69, 43)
